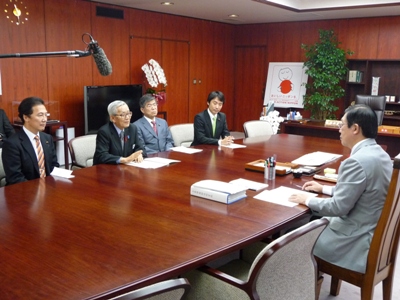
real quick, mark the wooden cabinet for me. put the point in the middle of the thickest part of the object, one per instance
(388, 72)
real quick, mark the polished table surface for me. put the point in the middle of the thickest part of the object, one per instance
(115, 228)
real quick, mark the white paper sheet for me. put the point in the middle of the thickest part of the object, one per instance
(281, 195)
(234, 146)
(249, 184)
(153, 163)
(186, 150)
(62, 173)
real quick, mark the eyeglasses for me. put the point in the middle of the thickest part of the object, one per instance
(340, 125)
(155, 104)
(124, 116)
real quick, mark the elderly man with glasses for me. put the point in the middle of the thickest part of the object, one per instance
(117, 142)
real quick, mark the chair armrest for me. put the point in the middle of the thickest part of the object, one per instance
(223, 276)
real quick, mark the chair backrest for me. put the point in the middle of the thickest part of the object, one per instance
(257, 128)
(377, 103)
(173, 289)
(182, 134)
(2, 173)
(286, 268)
(82, 150)
(384, 244)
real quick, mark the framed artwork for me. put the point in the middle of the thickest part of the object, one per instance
(286, 84)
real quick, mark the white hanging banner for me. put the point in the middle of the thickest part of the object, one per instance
(285, 84)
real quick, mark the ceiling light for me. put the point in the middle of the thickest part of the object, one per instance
(167, 3)
(233, 16)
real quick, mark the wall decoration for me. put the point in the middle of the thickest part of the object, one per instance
(285, 84)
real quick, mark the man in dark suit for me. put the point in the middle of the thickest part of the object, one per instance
(21, 152)
(210, 125)
(154, 140)
(117, 142)
(6, 129)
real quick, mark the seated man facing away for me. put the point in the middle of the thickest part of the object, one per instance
(29, 153)
(357, 199)
(153, 132)
(210, 125)
(117, 142)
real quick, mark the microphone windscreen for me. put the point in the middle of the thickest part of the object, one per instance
(102, 62)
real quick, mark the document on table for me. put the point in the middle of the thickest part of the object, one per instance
(281, 195)
(153, 163)
(186, 150)
(234, 146)
(62, 173)
(249, 184)
(316, 158)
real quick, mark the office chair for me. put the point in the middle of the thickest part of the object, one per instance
(377, 103)
(382, 252)
(2, 173)
(173, 289)
(82, 150)
(257, 128)
(182, 134)
(283, 269)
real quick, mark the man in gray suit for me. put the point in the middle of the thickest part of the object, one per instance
(153, 132)
(357, 199)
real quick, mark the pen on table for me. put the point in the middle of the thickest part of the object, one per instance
(299, 186)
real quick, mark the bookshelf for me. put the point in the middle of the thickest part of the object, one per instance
(388, 72)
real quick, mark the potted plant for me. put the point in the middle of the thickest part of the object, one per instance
(326, 67)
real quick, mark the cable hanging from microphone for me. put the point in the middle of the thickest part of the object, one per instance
(93, 49)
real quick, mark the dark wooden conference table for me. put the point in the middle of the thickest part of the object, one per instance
(116, 228)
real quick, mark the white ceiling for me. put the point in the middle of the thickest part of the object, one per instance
(267, 11)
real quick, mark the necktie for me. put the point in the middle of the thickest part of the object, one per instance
(122, 136)
(42, 169)
(154, 126)
(214, 123)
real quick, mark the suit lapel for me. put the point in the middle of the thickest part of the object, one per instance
(27, 145)
(208, 123)
(148, 127)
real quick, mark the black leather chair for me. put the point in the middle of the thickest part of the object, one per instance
(377, 103)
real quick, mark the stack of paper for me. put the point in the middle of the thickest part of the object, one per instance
(316, 158)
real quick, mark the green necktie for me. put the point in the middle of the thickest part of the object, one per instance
(214, 123)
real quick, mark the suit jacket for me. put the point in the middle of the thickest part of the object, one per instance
(108, 144)
(20, 160)
(355, 207)
(6, 129)
(203, 129)
(153, 142)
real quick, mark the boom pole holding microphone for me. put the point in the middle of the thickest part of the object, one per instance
(100, 58)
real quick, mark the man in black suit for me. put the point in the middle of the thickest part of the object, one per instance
(204, 133)
(20, 152)
(117, 142)
(6, 129)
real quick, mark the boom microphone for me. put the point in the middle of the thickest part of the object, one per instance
(99, 57)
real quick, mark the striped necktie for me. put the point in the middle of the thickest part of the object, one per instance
(40, 156)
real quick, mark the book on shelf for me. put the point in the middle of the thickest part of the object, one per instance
(219, 191)
(355, 76)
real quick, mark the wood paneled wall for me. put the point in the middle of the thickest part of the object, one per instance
(198, 56)
(369, 38)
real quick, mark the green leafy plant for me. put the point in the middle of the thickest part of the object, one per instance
(326, 67)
